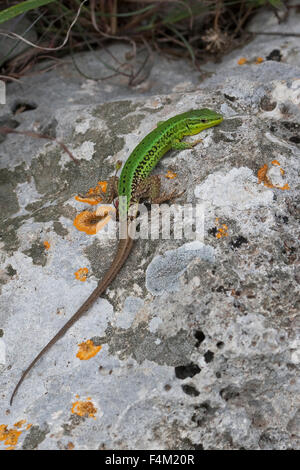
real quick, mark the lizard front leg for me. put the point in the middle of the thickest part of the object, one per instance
(179, 145)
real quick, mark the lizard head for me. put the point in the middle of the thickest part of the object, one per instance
(199, 119)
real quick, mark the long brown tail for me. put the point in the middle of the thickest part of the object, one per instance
(123, 251)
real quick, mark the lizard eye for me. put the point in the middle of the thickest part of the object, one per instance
(203, 120)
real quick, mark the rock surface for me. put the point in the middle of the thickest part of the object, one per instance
(199, 341)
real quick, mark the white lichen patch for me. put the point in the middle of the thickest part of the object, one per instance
(154, 324)
(131, 306)
(284, 93)
(227, 110)
(154, 102)
(84, 125)
(295, 356)
(295, 351)
(276, 176)
(31, 232)
(26, 193)
(84, 152)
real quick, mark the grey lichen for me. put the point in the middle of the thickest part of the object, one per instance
(36, 436)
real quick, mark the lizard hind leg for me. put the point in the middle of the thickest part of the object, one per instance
(150, 188)
(112, 190)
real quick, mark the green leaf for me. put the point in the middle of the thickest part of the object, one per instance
(276, 3)
(189, 48)
(22, 7)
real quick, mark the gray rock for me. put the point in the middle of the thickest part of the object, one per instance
(163, 273)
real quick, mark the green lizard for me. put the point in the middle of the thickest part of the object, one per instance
(135, 184)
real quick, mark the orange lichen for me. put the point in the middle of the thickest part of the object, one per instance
(87, 350)
(263, 177)
(242, 61)
(222, 231)
(84, 409)
(70, 446)
(92, 200)
(92, 222)
(81, 274)
(20, 423)
(171, 175)
(102, 185)
(46, 245)
(259, 60)
(284, 187)
(86, 222)
(94, 195)
(11, 436)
